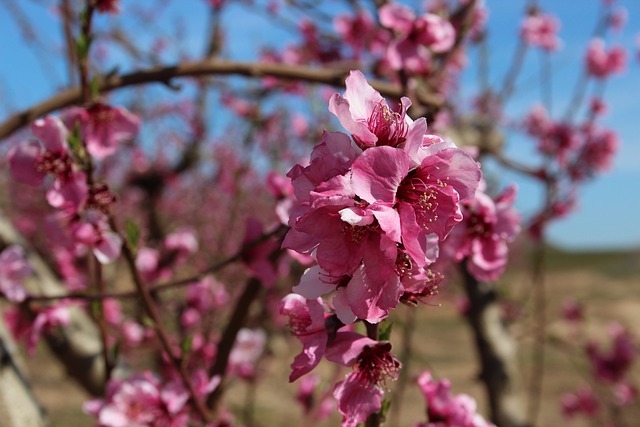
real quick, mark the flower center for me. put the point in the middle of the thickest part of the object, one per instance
(376, 363)
(389, 126)
(58, 164)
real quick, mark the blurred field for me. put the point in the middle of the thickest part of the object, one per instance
(607, 283)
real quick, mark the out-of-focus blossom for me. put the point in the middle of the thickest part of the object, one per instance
(30, 328)
(572, 311)
(541, 30)
(613, 365)
(416, 37)
(445, 409)
(246, 351)
(482, 237)
(601, 63)
(14, 269)
(582, 402)
(108, 6)
(102, 127)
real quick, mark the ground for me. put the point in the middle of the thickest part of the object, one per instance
(607, 283)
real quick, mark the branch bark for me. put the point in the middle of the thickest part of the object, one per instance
(497, 353)
(333, 77)
(77, 345)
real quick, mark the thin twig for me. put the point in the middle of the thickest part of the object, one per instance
(152, 310)
(169, 285)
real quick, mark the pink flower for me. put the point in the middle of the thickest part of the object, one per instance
(360, 393)
(142, 401)
(30, 329)
(482, 237)
(428, 31)
(14, 269)
(613, 365)
(541, 31)
(602, 64)
(596, 154)
(572, 310)
(30, 163)
(246, 351)
(93, 230)
(307, 323)
(445, 409)
(373, 219)
(360, 32)
(108, 6)
(258, 258)
(625, 394)
(584, 401)
(367, 116)
(102, 127)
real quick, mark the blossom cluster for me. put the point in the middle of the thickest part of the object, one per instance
(63, 155)
(371, 208)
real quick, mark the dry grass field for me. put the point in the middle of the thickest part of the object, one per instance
(607, 283)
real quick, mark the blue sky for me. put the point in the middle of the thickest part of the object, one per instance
(607, 207)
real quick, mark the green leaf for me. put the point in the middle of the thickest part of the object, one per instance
(186, 345)
(96, 308)
(384, 410)
(385, 330)
(83, 44)
(94, 87)
(132, 233)
(75, 142)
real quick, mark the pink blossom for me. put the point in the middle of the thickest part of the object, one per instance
(48, 155)
(367, 116)
(306, 389)
(560, 140)
(32, 161)
(624, 393)
(617, 19)
(611, 366)
(30, 329)
(307, 323)
(112, 311)
(142, 401)
(596, 153)
(541, 31)
(482, 237)
(572, 311)
(602, 64)
(429, 30)
(102, 127)
(360, 393)
(584, 401)
(246, 351)
(399, 199)
(360, 32)
(258, 258)
(445, 409)
(207, 294)
(14, 269)
(416, 38)
(108, 6)
(93, 230)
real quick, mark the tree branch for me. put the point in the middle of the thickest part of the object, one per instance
(333, 77)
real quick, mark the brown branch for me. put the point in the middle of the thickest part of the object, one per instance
(333, 77)
(237, 320)
(496, 351)
(169, 285)
(66, 12)
(152, 310)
